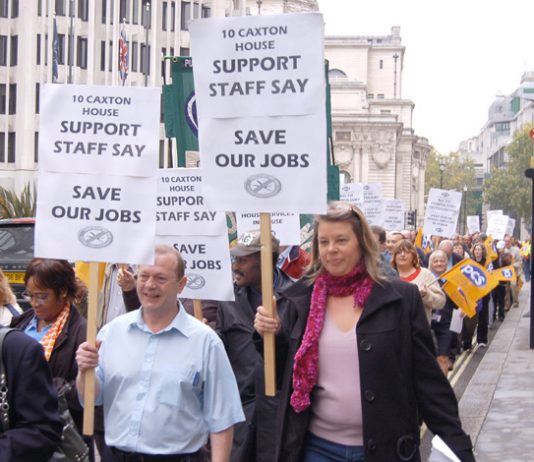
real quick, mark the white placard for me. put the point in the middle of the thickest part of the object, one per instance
(510, 227)
(473, 224)
(99, 130)
(180, 206)
(208, 267)
(95, 218)
(497, 225)
(250, 66)
(285, 226)
(442, 210)
(393, 215)
(367, 197)
(266, 164)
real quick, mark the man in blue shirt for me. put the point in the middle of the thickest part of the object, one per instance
(163, 377)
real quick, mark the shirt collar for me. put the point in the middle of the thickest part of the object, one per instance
(180, 323)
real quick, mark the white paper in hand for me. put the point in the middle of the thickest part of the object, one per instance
(441, 452)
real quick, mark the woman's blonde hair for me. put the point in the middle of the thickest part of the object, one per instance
(6, 294)
(405, 244)
(343, 212)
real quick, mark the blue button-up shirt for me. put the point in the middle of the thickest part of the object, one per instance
(31, 330)
(164, 392)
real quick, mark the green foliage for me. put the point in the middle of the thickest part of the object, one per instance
(508, 188)
(457, 173)
(14, 206)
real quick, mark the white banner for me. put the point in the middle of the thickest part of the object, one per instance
(510, 227)
(207, 266)
(393, 215)
(497, 225)
(95, 218)
(473, 224)
(442, 210)
(285, 226)
(267, 164)
(250, 66)
(367, 197)
(99, 129)
(180, 206)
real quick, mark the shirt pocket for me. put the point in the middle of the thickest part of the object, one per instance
(176, 386)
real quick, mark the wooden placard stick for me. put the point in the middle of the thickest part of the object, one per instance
(269, 356)
(197, 308)
(89, 395)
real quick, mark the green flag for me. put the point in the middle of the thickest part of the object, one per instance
(331, 169)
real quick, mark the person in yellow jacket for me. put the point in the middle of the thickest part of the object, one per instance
(525, 255)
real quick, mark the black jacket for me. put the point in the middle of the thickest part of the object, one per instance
(235, 326)
(35, 425)
(63, 359)
(400, 379)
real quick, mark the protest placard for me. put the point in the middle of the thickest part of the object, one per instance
(393, 215)
(207, 266)
(510, 226)
(95, 218)
(473, 224)
(262, 123)
(285, 226)
(442, 210)
(367, 197)
(181, 208)
(497, 225)
(99, 130)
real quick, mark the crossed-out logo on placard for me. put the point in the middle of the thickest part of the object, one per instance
(475, 275)
(95, 237)
(195, 281)
(263, 185)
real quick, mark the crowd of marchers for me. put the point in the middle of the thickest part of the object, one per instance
(363, 349)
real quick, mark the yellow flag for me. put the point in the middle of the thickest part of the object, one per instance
(81, 269)
(491, 253)
(474, 280)
(457, 295)
(419, 238)
(505, 273)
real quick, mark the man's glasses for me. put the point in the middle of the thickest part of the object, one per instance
(38, 298)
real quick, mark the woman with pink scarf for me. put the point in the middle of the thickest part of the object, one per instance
(359, 370)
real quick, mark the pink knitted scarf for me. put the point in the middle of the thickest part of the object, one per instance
(306, 366)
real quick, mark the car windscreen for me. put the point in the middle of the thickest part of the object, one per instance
(16, 245)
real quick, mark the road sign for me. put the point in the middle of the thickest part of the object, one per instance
(531, 133)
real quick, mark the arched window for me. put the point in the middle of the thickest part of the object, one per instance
(337, 74)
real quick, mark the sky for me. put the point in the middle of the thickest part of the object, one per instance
(459, 55)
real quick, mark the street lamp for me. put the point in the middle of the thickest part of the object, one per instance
(465, 209)
(147, 27)
(441, 170)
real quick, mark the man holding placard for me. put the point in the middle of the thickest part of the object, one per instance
(254, 439)
(162, 376)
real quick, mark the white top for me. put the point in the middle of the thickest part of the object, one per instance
(6, 316)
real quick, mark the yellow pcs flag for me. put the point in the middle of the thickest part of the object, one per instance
(457, 295)
(419, 238)
(474, 280)
(505, 274)
(491, 253)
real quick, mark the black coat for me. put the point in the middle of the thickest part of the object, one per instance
(35, 425)
(63, 358)
(235, 326)
(400, 379)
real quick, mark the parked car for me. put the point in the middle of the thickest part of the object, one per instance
(16, 251)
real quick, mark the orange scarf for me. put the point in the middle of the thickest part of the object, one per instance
(49, 340)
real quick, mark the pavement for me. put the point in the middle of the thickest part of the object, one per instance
(497, 406)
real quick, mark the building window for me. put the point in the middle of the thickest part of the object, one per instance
(12, 98)
(124, 11)
(186, 13)
(3, 50)
(385, 111)
(11, 141)
(37, 97)
(83, 10)
(60, 8)
(502, 126)
(3, 98)
(36, 147)
(14, 50)
(61, 48)
(38, 57)
(184, 52)
(173, 16)
(381, 64)
(81, 53)
(343, 136)
(39, 7)
(134, 59)
(380, 96)
(15, 8)
(104, 11)
(161, 153)
(102, 55)
(145, 60)
(164, 16)
(3, 8)
(2, 147)
(370, 96)
(135, 11)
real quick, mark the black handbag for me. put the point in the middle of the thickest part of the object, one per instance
(72, 447)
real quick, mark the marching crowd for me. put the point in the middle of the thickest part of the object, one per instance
(363, 348)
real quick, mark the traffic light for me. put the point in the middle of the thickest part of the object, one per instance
(412, 218)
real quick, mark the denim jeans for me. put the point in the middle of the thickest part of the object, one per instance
(321, 450)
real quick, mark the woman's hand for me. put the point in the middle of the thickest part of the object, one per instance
(423, 291)
(265, 323)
